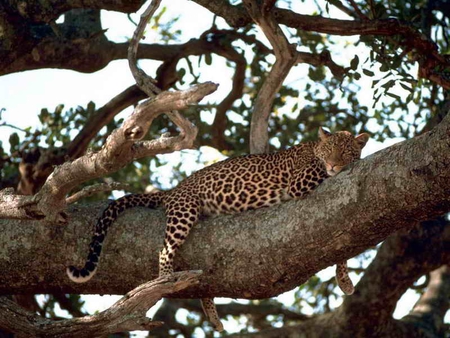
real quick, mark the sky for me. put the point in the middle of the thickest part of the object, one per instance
(24, 94)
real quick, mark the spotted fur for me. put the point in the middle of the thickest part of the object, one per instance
(231, 186)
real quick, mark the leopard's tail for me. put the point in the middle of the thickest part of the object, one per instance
(108, 216)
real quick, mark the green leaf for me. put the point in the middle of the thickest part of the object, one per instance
(354, 63)
(368, 72)
(405, 87)
(208, 59)
(393, 96)
(181, 72)
(384, 68)
(14, 141)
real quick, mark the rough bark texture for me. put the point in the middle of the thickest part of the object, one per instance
(251, 255)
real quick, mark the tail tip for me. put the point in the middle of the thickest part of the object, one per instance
(79, 275)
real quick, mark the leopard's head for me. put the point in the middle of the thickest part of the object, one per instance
(339, 149)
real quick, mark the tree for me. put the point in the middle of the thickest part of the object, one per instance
(399, 195)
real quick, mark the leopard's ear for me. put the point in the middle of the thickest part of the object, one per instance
(323, 134)
(362, 139)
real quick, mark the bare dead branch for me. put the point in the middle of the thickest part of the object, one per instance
(121, 147)
(127, 314)
(285, 54)
(96, 188)
(143, 81)
(102, 117)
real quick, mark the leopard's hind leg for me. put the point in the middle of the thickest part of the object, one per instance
(210, 310)
(343, 279)
(182, 214)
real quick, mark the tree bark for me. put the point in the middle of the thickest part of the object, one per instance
(256, 254)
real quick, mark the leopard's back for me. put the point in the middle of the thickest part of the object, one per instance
(244, 183)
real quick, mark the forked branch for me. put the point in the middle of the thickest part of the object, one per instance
(285, 54)
(127, 314)
(122, 147)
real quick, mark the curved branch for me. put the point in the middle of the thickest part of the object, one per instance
(127, 314)
(220, 120)
(285, 58)
(430, 61)
(143, 81)
(123, 146)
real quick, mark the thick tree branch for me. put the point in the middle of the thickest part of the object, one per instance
(38, 11)
(88, 52)
(388, 191)
(127, 314)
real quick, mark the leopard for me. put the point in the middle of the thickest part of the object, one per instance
(234, 185)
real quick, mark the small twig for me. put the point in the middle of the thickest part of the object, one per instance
(96, 188)
(4, 124)
(360, 14)
(344, 9)
(145, 82)
(322, 59)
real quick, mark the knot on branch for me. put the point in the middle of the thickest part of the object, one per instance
(134, 133)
